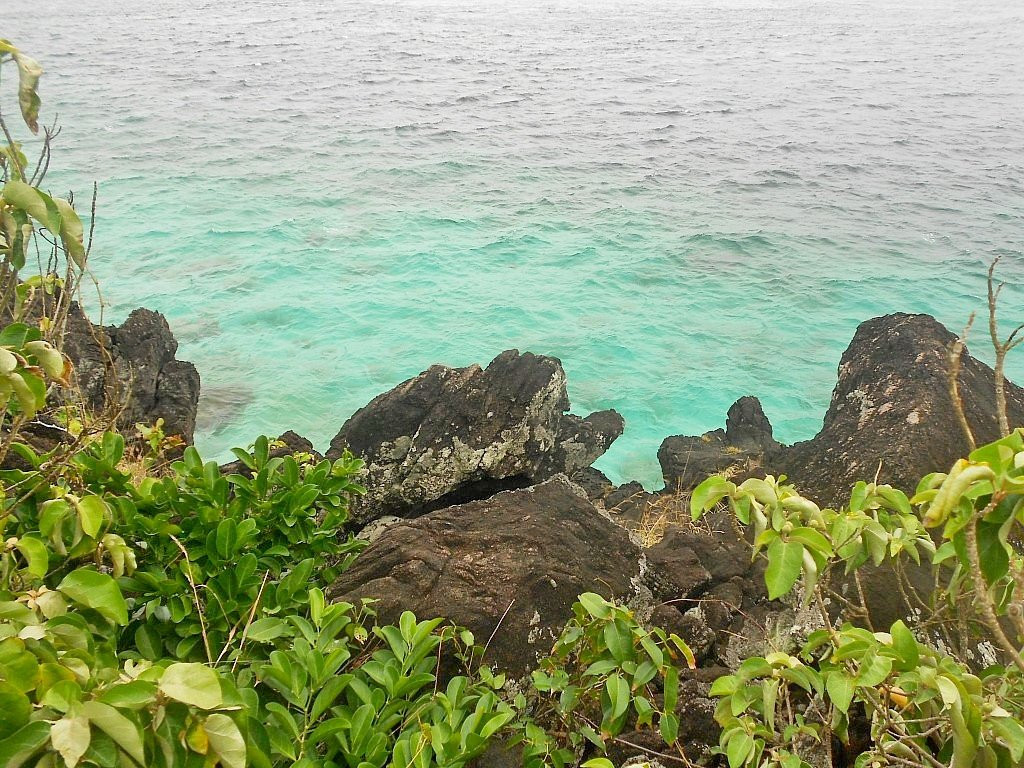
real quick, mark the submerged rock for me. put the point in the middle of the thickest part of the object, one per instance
(452, 435)
(510, 566)
(134, 364)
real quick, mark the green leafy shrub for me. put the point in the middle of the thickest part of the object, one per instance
(605, 672)
(923, 706)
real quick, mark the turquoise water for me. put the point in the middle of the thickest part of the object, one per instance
(686, 203)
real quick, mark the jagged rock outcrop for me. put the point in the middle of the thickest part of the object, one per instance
(710, 590)
(747, 437)
(452, 435)
(892, 406)
(134, 363)
(511, 565)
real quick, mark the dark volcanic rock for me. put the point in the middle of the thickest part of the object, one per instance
(892, 405)
(134, 362)
(452, 435)
(594, 482)
(534, 549)
(747, 437)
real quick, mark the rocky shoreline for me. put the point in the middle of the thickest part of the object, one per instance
(483, 506)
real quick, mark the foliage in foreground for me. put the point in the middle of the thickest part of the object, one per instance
(922, 705)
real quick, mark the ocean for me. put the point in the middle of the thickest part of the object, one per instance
(685, 202)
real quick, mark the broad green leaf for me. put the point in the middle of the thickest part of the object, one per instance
(709, 493)
(1012, 732)
(266, 629)
(905, 645)
(97, 591)
(192, 683)
(72, 233)
(37, 204)
(619, 640)
(70, 736)
(873, 670)
(739, 748)
(134, 695)
(123, 731)
(16, 709)
(29, 73)
(92, 511)
(17, 748)
(668, 725)
(840, 690)
(35, 553)
(813, 540)
(595, 605)
(948, 690)
(785, 559)
(993, 552)
(618, 695)
(226, 740)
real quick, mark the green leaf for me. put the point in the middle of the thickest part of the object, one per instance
(905, 645)
(785, 559)
(669, 727)
(993, 552)
(37, 204)
(226, 740)
(739, 748)
(619, 640)
(29, 73)
(595, 605)
(16, 709)
(709, 493)
(23, 743)
(618, 695)
(266, 629)
(194, 684)
(598, 762)
(35, 553)
(813, 540)
(118, 727)
(948, 690)
(137, 694)
(70, 736)
(671, 688)
(92, 511)
(97, 591)
(873, 670)
(1012, 732)
(840, 690)
(72, 233)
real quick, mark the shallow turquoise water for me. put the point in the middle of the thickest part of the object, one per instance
(684, 204)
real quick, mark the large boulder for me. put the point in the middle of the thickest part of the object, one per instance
(133, 365)
(892, 412)
(452, 435)
(510, 566)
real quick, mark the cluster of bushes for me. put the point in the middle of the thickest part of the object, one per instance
(167, 614)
